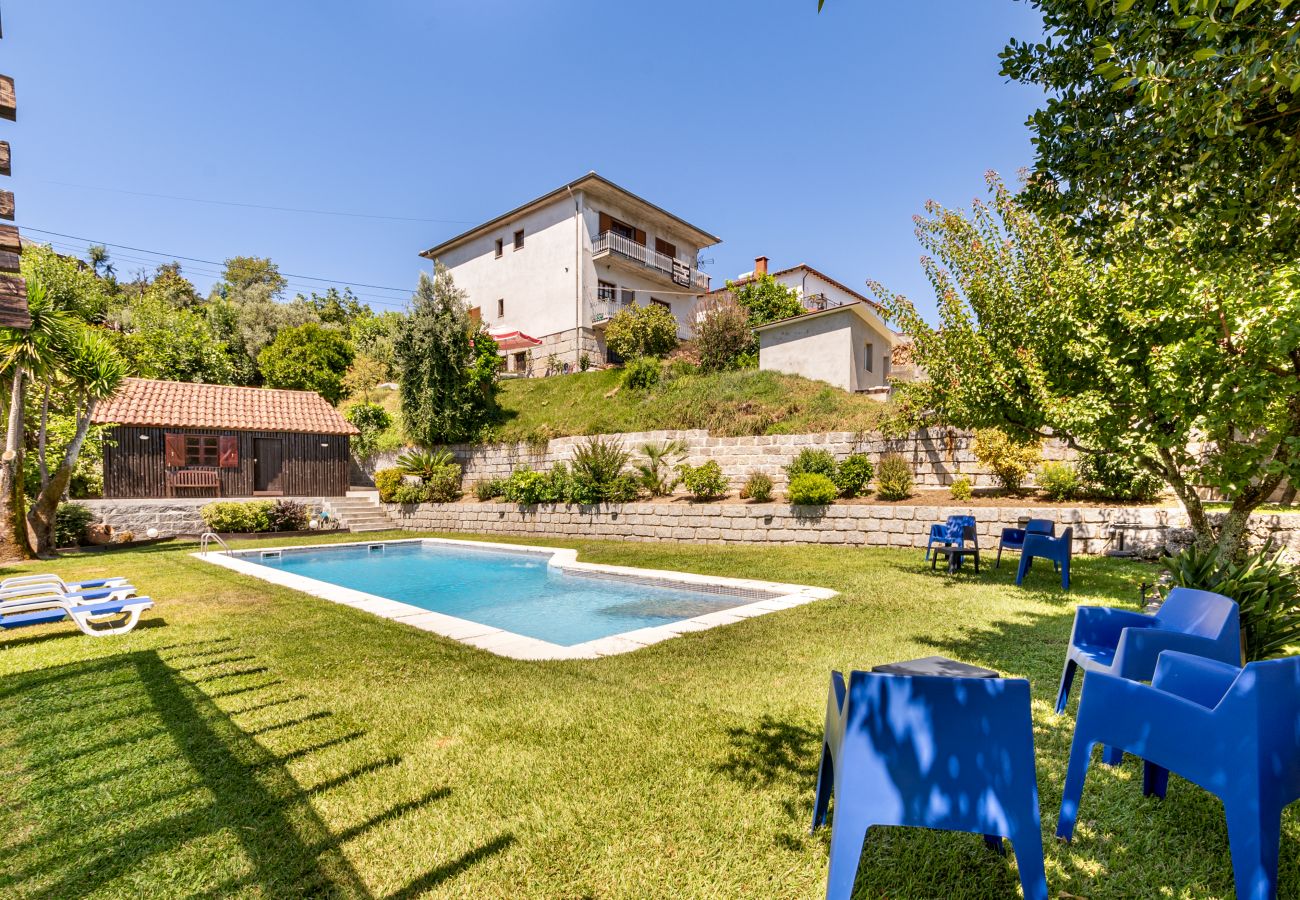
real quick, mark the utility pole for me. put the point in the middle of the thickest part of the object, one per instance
(13, 289)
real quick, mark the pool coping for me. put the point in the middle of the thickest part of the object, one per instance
(511, 644)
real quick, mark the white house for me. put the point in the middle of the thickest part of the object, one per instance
(547, 277)
(841, 339)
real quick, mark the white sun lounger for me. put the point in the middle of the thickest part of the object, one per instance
(97, 619)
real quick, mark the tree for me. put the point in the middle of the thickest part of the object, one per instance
(449, 366)
(1194, 375)
(176, 343)
(371, 420)
(97, 254)
(69, 285)
(337, 308)
(307, 358)
(363, 376)
(90, 371)
(649, 330)
(376, 336)
(765, 300)
(245, 272)
(1169, 115)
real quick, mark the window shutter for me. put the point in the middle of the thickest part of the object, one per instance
(640, 236)
(667, 249)
(228, 451)
(605, 223)
(175, 450)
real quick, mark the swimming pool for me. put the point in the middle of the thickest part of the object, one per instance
(526, 602)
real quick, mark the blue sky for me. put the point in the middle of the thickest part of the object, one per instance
(802, 137)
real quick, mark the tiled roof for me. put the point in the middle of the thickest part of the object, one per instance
(179, 404)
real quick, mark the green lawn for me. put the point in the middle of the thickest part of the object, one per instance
(254, 741)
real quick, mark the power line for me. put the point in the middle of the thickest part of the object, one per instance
(289, 209)
(213, 262)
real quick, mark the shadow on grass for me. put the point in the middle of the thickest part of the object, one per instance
(156, 779)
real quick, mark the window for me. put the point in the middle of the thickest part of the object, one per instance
(622, 229)
(201, 450)
(501, 308)
(664, 303)
(519, 239)
(867, 352)
(500, 247)
(605, 291)
(521, 362)
(629, 297)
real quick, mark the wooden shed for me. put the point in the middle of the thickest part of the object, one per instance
(175, 439)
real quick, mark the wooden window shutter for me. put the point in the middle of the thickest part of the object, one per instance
(228, 451)
(175, 450)
(605, 223)
(640, 236)
(667, 249)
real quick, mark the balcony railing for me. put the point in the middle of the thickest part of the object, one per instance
(818, 302)
(679, 271)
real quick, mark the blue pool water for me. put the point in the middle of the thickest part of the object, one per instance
(516, 592)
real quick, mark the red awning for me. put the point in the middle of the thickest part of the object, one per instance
(514, 340)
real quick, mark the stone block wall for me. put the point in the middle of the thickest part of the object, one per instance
(938, 455)
(1097, 530)
(172, 516)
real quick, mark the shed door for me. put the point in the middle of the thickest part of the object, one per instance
(268, 464)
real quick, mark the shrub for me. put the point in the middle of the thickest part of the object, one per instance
(811, 489)
(287, 515)
(1010, 461)
(528, 487)
(656, 473)
(1059, 481)
(812, 462)
(1112, 477)
(853, 475)
(722, 334)
(758, 487)
(961, 488)
(408, 493)
(894, 479)
(599, 460)
(642, 373)
(1266, 589)
(584, 362)
(489, 489)
(444, 485)
(70, 523)
(704, 482)
(424, 464)
(642, 331)
(388, 481)
(229, 516)
(371, 420)
(626, 488)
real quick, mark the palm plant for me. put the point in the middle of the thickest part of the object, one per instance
(425, 464)
(658, 473)
(599, 460)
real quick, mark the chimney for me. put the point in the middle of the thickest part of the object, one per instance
(760, 266)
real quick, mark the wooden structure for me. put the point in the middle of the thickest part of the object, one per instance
(13, 289)
(173, 439)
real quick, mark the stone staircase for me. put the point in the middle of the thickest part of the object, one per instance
(359, 511)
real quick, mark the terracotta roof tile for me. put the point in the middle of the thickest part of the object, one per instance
(179, 404)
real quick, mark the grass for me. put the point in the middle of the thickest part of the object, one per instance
(254, 741)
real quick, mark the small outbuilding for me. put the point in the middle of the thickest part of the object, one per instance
(848, 346)
(176, 439)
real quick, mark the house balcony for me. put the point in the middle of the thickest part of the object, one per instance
(675, 271)
(818, 302)
(605, 307)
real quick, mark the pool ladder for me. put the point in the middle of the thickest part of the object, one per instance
(210, 536)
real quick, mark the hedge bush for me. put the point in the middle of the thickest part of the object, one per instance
(961, 488)
(1060, 481)
(812, 489)
(250, 517)
(489, 489)
(853, 475)
(758, 487)
(1112, 477)
(388, 481)
(704, 482)
(810, 461)
(70, 523)
(642, 373)
(894, 480)
(410, 492)
(288, 515)
(1011, 461)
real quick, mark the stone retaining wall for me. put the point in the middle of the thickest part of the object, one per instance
(172, 516)
(937, 455)
(1097, 530)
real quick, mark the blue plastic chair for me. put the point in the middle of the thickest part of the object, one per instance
(932, 752)
(948, 533)
(1014, 538)
(1233, 731)
(1043, 546)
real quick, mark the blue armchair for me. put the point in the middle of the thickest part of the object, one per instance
(934, 752)
(948, 533)
(1126, 644)
(1060, 550)
(1231, 730)
(1014, 538)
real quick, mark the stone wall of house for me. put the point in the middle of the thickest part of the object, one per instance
(172, 516)
(938, 455)
(1141, 530)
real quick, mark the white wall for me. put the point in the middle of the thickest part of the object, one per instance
(805, 282)
(828, 348)
(537, 282)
